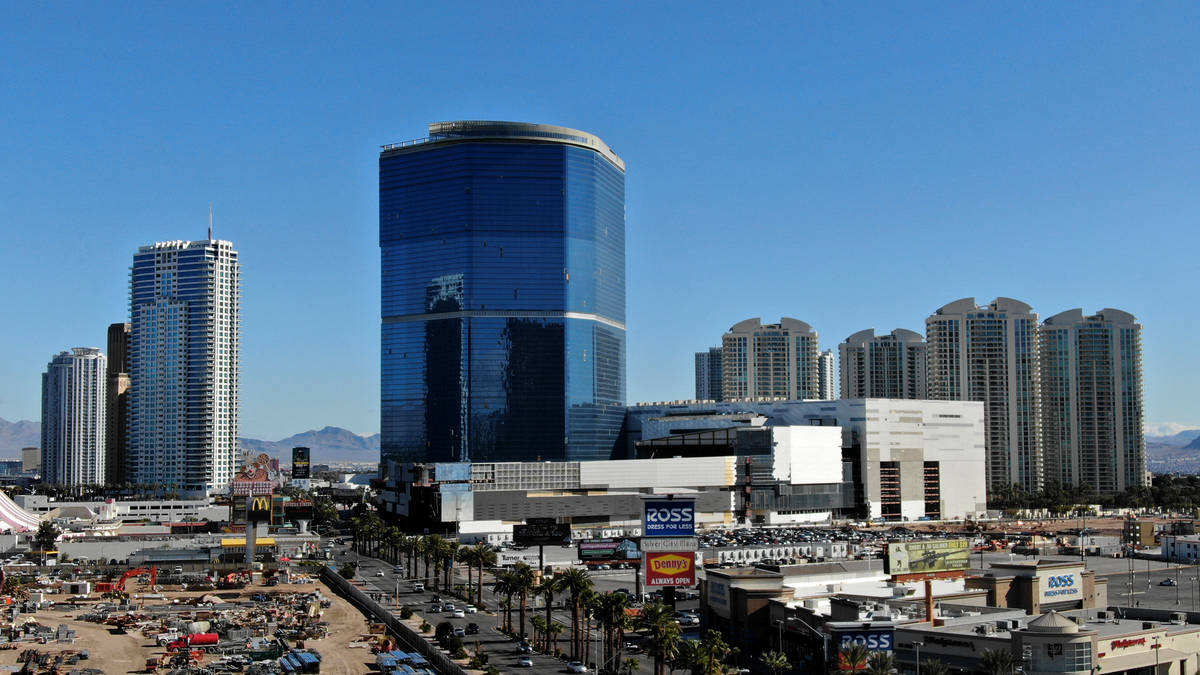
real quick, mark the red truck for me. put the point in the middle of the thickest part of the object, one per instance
(194, 640)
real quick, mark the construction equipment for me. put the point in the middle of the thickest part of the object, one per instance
(203, 640)
(137, 572)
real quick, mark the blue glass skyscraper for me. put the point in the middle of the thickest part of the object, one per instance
(503, 294)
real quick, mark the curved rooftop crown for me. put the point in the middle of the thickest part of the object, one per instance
(487, 129)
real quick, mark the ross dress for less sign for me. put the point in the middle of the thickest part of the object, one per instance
(669, 518)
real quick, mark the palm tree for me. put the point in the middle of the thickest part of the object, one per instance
(881, 663)
(853, 657)
(523, 580)
(687, 656)
(449, 553)
(933, 667)
(775, 662)
(486, 558)
(550, 586)
(610, 612)
(577, 581)
(506, 586)
(540, 627)
(630, 664)
(466, 555)
(589, 601)
(711, 653)
(996, 662)
(658, 621)
(409, 546)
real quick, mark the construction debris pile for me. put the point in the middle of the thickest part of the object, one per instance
(214, 633)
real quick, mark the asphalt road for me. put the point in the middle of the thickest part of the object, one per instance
(499, 647)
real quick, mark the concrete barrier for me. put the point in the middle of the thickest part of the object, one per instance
(413, 640)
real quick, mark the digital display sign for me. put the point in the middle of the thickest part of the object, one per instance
(301, 468)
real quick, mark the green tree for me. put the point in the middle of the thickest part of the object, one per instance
(522, 578)
(348, 570)
(853, 657)
(577, 582)
(662, 633)
(505, 585)
(997, 662)
(775, 662)
(485, 557)
(933, 667)
(610, 613)
(629, 665)
(551, 585)
(881, 663)
(45, 537)
(711, 652)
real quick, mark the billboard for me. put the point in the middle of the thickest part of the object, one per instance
(608, 551)
(669, 518)
(928, 557)
(298, 510)
(677, 568)
(878, 637)
(537, 534)
(301, 468)
(258, 509)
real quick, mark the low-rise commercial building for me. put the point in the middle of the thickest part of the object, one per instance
(159, 511)
(1039, 586)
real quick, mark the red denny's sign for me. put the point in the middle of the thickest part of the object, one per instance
(677, 568)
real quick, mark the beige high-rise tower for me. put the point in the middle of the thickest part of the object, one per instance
(1092, 416)
(989, 353)
(778, 360)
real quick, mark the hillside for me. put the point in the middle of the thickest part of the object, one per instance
(17, 435)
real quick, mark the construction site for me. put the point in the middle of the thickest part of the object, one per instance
(144, 621)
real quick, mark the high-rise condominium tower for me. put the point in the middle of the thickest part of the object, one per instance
(184, 349)
(883, 366)
(503, 295)
(990, 354)
(73, 412)
(708, 375)
(776, 360)
(115, 450)
(826, 376)
(1091, 370)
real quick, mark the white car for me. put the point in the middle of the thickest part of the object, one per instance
(576, 667)
(379, 573)
(449, 606)
(470, 609)
(459, 614)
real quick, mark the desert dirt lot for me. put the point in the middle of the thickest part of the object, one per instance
(115, 652)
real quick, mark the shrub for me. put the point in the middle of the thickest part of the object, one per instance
(444, 630)
(406, 612)
(348, 570)
(425, 627)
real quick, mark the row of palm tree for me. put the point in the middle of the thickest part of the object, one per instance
(856, 658)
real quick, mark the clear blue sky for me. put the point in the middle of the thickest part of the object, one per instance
(852, 165)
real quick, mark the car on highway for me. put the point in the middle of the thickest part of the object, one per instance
(524, 647)
(472, 629)
(450, 607)
(418, 587)
(525, 662)
(576, 667)
(1167, 582)
(459, 614)
(435, 609)
(687, 619)
(380, 573)
(470, 609)
(459, 633)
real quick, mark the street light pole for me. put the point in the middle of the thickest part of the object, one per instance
(917, 646)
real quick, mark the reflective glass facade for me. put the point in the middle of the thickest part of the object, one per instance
(503, 297)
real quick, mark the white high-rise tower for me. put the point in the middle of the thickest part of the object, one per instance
(184, 355)
(73, 417)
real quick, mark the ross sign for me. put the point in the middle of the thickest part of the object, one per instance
(538, 534)
(1062, 586)
(928, 557)
(669, 518)
(301, 468)
(677, 568)
(258, 509)
(874, 636)
(597, 551)
(666, 544)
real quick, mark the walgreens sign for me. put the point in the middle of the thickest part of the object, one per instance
(677, 568)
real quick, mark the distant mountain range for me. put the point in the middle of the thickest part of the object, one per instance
(1176, 453)
(17, 435)
(331, 444)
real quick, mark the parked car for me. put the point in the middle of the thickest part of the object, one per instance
(1167, 582)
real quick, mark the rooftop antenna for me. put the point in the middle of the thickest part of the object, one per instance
(210, 221)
